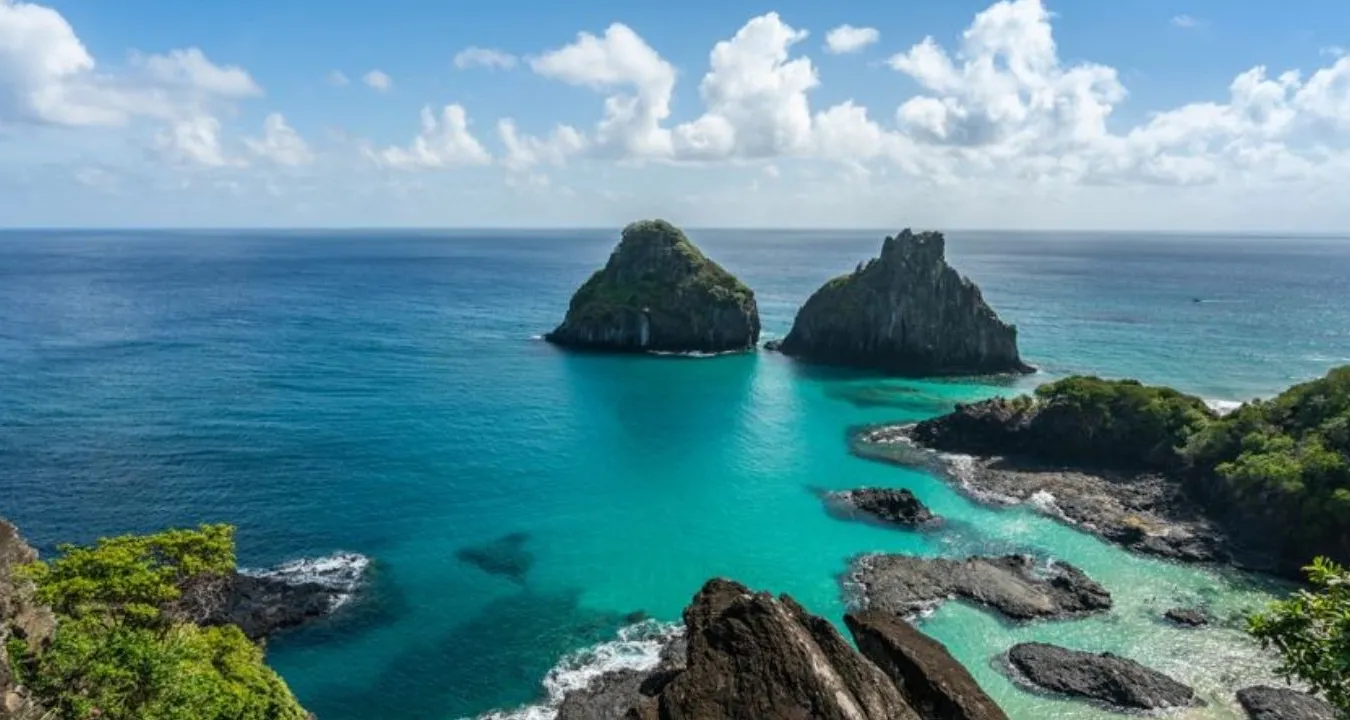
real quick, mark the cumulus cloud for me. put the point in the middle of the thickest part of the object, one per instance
(378, 80)
(847, 39)
(280, 144)
(473, 56)
(443, 142)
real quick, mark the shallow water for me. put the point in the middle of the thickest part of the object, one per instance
(382, 394)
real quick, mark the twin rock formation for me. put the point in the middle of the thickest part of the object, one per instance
(906, 312)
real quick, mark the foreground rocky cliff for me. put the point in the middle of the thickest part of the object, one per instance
(750, 656)
(21, 618)
(659, 293)
(906, 312)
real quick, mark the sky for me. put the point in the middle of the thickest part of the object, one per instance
(1204, 115)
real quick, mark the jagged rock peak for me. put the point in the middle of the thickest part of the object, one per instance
(905, 312)
(659, 292)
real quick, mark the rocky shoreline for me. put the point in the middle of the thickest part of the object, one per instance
(1142, 511)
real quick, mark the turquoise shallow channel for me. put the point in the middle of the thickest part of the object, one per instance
(386, 393)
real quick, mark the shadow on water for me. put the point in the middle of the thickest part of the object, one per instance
(381, 601)
(494, 659)
(506, 556)
(913, 401)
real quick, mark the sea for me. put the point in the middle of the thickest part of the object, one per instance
(531, 516)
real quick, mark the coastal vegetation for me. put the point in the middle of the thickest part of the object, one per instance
(121, 650)
(1311, 630)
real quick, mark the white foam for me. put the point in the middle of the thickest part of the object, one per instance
(638, 647)
(341, 572)
(1223, 407)
(694, 353)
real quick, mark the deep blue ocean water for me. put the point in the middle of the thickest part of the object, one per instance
(386, 393)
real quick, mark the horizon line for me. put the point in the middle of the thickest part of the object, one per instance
(611, 228)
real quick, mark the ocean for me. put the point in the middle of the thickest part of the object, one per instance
(386, 393)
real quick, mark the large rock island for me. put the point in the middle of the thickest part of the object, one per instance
(906, 312)
(659, 293)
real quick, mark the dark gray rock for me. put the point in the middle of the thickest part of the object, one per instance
(659, 293)
(930, 679)
(890, 506)
(262, 604)
(1106, 678)
(1271, 703)
(906, 312)
(1189, 617)
(1015, 585)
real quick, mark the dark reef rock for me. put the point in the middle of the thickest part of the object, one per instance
(1147, 512)
(748, 656)
(890, 506)
(22, 617)
(908, 313)
(506, 556)
(264, 603)
(1271, 703)
(1189, 617)
(1014, 585)
(1106, 678)
(659, 293)
(933, 682)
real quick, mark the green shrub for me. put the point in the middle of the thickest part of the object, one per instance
(118, 654)
(1311, 630)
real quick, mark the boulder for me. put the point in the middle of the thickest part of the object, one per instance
(1104, 677)
(1271, 703)
(890, 506)
(1017, 586)
(906, 312)
(1189, 617)
(659, 293)
(932, 682)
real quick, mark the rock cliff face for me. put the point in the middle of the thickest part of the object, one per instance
(658, 292)
(20, 616)
(907, 312)
(750, 655)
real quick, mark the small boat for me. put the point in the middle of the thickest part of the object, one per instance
(1196, 300)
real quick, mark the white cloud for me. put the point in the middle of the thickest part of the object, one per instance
(847, 39)
(280, 144)
(474, 56)
(619, 61)
(1186, 22)
(442, 143)
(191, 70)
(523, 152)
(1334, 51)
(337, 78)
(194, 141)
(377, 80)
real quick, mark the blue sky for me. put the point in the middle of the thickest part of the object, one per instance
(1152, 114)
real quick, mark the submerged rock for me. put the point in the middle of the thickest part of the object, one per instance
(891, 506)
(748, 656)
(906, 312)
(1271, 703)
(1189, 617)
(932, 681)
(659, 293)
(506, 556)
(1107, 678)
(1014, 585)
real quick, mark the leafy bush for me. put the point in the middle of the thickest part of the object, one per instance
(1311, 630)
(119, 654)
(1118, 422)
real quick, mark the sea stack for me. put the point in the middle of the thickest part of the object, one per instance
(659, 293)
(908, 313)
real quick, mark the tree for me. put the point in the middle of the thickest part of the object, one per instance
(1311, 630)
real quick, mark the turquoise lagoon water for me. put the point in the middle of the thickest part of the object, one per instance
(386, 393)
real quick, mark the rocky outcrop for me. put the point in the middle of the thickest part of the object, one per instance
(906, 312)
(264, 603)
(1106, 678)
(933, 683)
(748, 655)
(1148, 512)
(659, 293)
(1017, 586)
(888, 506)
(1188, 617)
(1271, 703)
(22, 618)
